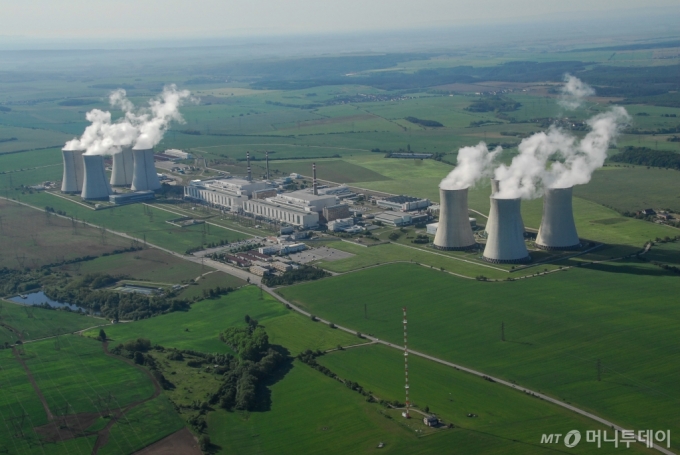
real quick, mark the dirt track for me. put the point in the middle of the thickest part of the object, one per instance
(181, 442)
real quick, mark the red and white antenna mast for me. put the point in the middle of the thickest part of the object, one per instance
(408, 403)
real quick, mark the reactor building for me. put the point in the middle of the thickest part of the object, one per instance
(557, 230)
(95, 185)
(74, 171)
(505, 228)
(454, 231)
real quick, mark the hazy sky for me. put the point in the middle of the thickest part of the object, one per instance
(162, 19)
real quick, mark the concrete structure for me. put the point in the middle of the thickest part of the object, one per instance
(178, 154)
(264, 194)
(394, 218)
(276, 211)
(335, 212)
(281, 267)
(250, 174)
(340, 224)
(131, 198)
(95, 185)
(558, 230)
(403, 203)
(454, 231)
(432, 227)
(495, 188)
(293, 248)
(123, 168)
(505, 243)
(227, 193)
(74, 171)
(342, 191)
(315, 190)
(144, 176)
(259, 270)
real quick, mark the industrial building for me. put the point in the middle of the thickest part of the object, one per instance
(131, 198)
(394, 218)
(95, 183)
(505, 242)
(341, 224)
(74, 171)
(403, 203)
(228, 193)
(335, 212)
(557, 230)
(299, 208)
(454, 231)
(259, 270)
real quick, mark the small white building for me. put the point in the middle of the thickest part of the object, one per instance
(341, 224)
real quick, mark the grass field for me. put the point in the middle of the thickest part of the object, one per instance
(312, 413)
(199, 328)
(35, 323)
(556, 326)
(149, 224)
(78, 373)
(143, 425)
(29, 237)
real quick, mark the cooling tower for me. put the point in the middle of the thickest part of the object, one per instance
(123, 167)
(144, 175)
(95, 185)
(505, 243)
(557, 231)
(454, 231)
(495, 188)
(72, 181)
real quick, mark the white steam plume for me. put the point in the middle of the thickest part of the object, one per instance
(474, 163)
(574, 161)
(154, 121)
(142, 128)
(574, 92)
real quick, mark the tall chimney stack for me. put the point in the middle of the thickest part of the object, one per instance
(314, 188)
(266, 157)
(248, 160)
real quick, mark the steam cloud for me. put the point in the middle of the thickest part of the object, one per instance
(142, 128)
(574, 92)
(474, 163)
(574, 160)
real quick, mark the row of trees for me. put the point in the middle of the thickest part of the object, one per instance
(303, 273)
(644, 156)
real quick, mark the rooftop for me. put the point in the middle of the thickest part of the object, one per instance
(401, 199)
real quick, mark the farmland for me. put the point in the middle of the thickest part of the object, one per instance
(556, 331)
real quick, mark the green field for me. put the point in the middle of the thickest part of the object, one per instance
(143, 425)
(199, 328)
(78, 373)
(28, 238)
(35, 323)
(556, 326)
(150, 225)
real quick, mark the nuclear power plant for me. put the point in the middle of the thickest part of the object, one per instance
(123, 168)
(144, 175)
(454, 231)
(74, 172)
(505, 242)
(95, 185)
(557, 230)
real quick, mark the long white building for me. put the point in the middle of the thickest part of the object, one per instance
(228, 193)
